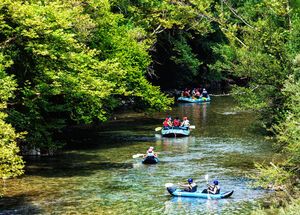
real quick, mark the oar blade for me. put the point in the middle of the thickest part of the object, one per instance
(192, 126)
(137, 155)
(169, 185)
(158, 128)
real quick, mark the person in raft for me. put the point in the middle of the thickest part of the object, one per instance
(204, 93)
(191, 186)
(212, 188)
(186, 93)
(176, 122)
(167, 123)
(197, 93)
(150, 152)
(185, 122)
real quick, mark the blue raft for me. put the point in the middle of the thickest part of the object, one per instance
(179, 193)
(191, 100)
(150, 160)
(175, 131)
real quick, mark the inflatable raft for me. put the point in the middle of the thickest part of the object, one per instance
(150, 160)
(175, 131)
(179, 193)
(192, 100)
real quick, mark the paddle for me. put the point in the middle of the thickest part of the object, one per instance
(158, 128)
(192, 127)
(137, 155)
(168, 184)
(140, 155)
(206, 178)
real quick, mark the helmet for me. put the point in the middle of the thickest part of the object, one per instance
(216, 182)
(190, 180)
(167, 119)
(151, 147)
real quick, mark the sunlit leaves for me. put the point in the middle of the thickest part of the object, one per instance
(75, 62)
(288, 131)
(260, 51)
(271, 176)
(11, 163)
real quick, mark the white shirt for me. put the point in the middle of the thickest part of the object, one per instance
(186, 123)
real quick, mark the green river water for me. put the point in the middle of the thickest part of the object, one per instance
(101, 177)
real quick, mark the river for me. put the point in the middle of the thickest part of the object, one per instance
(101, 177)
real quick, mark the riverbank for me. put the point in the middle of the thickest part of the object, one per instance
(287, 208)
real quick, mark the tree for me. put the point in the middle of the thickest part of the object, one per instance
(11, 164)
(258, 33)
(178, 31)
(74, 62)
(264, 40)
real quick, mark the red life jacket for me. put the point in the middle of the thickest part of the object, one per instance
(176, 122)
(165, 123)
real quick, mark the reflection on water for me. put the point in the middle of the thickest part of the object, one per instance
(103, 178)
(202, 206)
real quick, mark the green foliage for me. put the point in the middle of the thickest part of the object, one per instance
(226, 56)
(259, 51)
(287, 135)
(11, 163)
(251, 98)
(290, 208)
(74, 63)
(288, 130)
(77, 61)
(173, 27)
(185, 56)
(271, 177)
(263, 40)
(155, 15)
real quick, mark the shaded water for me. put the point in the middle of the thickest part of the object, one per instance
(101, 177)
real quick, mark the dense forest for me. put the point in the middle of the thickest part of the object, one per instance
(76, 62)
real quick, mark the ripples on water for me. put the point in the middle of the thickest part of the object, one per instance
(105, 179)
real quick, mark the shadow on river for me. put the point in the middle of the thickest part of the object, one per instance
(101, 177)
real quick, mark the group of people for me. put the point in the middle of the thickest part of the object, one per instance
(195, 93)
(191, 186)
(176, 122)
